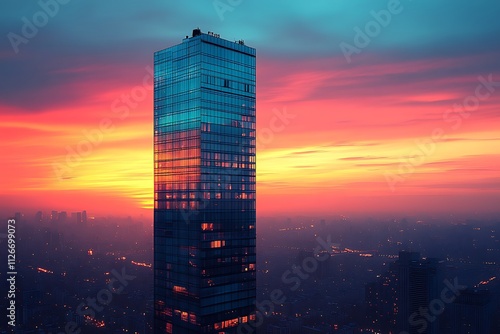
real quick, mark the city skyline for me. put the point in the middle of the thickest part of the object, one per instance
(357, 284)
(235, 166)
(352, 118)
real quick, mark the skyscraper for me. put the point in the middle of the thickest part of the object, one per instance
(381, 299)
(84, 217)
(418, 281)
(204, 167)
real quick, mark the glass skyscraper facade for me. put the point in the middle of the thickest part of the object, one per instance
(204, 175)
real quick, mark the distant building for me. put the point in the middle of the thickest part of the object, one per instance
(38, 217)
(418, 284)
(380, 298)
(63, 216)
(470, 313)
(54, 219)
(76, 217)
(84, 217)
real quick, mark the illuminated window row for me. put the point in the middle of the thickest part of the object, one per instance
(227, 157)
(230, 323)
(196, 204)
(177, 144)
(180, 178)
(219, 227)
(228, 178)
(236, 186)
(177, 205)
(177, 186)
(217, 243)
(173, 195)
(187, 154)
(228, 165)
(178, 154)
(174, 166)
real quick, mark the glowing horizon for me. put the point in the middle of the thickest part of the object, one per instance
(380, 134)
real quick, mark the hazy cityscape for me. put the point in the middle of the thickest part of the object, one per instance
(66, 260)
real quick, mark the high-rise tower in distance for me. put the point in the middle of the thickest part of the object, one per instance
(204, 178)
(418, 286)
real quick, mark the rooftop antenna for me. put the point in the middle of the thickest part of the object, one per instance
(196, 32)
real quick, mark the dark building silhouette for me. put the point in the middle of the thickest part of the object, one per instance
(76, 217)
(84, 217)
(39, 217)
(54, 220)
(204, 167)
(470, 313)
(63, 216)
(418, 284)
(381, 297)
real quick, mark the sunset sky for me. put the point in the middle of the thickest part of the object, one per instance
(402, 117)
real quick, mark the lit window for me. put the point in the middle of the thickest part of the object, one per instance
(207, 226)
(180, 289)
(217, 243)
